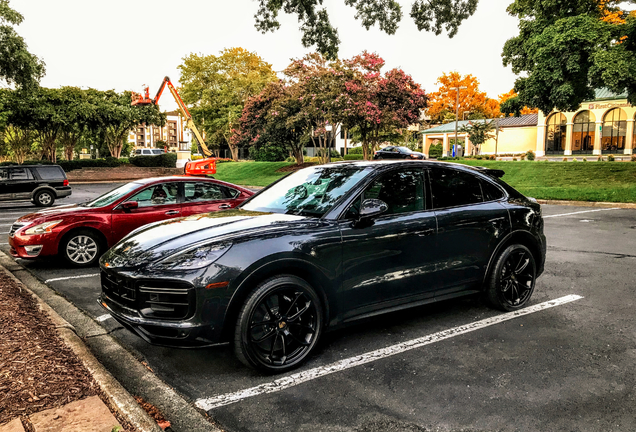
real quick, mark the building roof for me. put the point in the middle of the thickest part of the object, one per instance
(524, 120)
(605, 94)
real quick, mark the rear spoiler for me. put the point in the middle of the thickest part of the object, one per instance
(491, 172)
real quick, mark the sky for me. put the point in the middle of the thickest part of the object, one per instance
(126, 44)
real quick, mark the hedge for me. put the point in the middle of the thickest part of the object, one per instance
(77, 163)
(166, 160)
(355, 150)
(353, 156)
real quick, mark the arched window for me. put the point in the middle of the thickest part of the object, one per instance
(555, 133)
(614, 131)
(584, 132)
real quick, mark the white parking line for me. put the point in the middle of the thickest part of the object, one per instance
(103, 318)
(301, 377)
(71, 277)
(583, 211)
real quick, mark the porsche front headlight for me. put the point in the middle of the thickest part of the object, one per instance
(194, 257)
(42, 228)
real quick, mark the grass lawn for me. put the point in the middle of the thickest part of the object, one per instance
(579, 181)
(250, 173)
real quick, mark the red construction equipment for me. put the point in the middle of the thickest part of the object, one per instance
(200, 167)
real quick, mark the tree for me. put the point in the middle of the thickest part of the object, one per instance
(18, 142)
(217, 88)
(479, 132)
(429, 15)
(567, 49)
(509, 105)
(442, 106)
(17, 65)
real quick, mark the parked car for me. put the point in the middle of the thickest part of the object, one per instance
(82, 232)
(148, 152)
(42, 184)
(394, 152)
(322, 247)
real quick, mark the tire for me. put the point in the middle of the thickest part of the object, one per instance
(44, 198)
(284, 342)
(81, 248)
(511, 281)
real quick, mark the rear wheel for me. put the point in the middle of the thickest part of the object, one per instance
(511, 282)
(81, 248)
(44, 198)
(278, 325)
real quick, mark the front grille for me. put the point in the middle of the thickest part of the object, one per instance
(166, 299)
(16, 226)
(121, 290)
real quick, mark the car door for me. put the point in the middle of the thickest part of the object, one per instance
(5, 190)
(391, 257)
(204, 197)
(22, 182)
(155, 203)
(469, 227)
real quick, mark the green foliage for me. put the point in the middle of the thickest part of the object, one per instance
(479, 131)
(565, 50)
(530, 155)
(353, 157)
(268, 153)
(166, 160)
(77, 163)
(355, 150)
(435, 151)
(17, 65)
(429, 15)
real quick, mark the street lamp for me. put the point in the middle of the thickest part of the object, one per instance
(457, 109)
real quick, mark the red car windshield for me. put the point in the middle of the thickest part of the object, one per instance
(112, 196)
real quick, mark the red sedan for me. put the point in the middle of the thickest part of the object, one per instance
(81, 233)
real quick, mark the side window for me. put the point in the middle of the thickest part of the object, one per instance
(491, 192)
(232, 193)
(195, 192)
(20, 174)
(4, 174)
(452, 188)
(402, 191)
(50, 172)
(161, 194)
(138, 152)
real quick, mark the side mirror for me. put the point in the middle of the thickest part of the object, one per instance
(129, 205)
(372, 207)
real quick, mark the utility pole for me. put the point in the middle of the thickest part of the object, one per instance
(457, 109)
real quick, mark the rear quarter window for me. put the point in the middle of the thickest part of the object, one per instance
(50, 173)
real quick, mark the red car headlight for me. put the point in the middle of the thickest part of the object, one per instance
(42, 228)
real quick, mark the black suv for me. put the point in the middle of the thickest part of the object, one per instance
(42, 184)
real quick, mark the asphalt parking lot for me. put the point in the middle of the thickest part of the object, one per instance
(562, 366)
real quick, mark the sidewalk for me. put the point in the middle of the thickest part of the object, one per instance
(45, 378)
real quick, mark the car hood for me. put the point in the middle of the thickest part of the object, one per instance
(159, 240)
(55, 213)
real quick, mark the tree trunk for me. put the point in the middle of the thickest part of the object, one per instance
(298, 154)
(234, 151)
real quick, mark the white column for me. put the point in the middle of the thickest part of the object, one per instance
(540, 150)
(629, 139)
(597, 138)
(569, 136)
(445, 146)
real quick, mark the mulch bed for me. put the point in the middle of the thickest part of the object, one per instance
(290, 168)
(37, 370)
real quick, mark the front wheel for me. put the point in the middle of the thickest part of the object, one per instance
(81, 248)
(278, 325)
(511, 282)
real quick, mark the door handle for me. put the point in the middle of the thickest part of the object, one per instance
(225, 206)
(172, 212)
(425, 233)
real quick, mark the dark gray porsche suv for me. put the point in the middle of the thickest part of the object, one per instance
(321, 247)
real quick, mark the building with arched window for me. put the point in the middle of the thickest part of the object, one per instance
(602, 126)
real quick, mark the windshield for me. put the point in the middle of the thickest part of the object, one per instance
(112, 196)
(405, 150)
(308, 192)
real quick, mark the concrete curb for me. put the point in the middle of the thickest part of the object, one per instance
(112, 363)
(117, 395)
(588, 204)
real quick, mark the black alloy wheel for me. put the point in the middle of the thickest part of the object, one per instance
(279, 324)
(511, 283)
(44, 198)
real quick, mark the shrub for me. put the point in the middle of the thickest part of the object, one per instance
(611, 158)
(291, 159)
(565, 159)
(353, 157)
(314, 159)
(337, 159)
(355, 150)
(166, 160)
(493, 157)
(633, 158)
(268, 153)
(224, 160)
(197, 157)
(514, 159)
(574, 160)
(600, 159)
(530, 155)
(584, 159)
(522, 156)
(435, 151)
